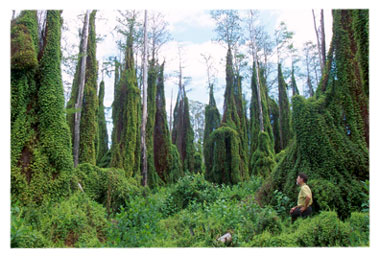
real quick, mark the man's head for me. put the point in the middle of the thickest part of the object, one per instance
(301, 178)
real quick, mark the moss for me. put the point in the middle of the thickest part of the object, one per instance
(274, 120)
(294, 84)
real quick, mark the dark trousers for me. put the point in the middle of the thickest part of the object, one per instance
(297, 213)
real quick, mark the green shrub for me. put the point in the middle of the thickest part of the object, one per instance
(323, 230)
(267, 220)
(324, 194)
(75, 222)
(136, 225)
(193, 187)
(23, 234)
(109, 187)
(359, 223)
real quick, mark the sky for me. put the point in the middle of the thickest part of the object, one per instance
(193, 30)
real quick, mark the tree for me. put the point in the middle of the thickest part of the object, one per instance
(41, 159)
(125, 150)
(212, 119)
(182, 133)
(284, 110)
(158, 33)
(88, 119)
(77, 90)
(320, 33)
(144, 170)
(167, 161)
(310, 52)
(102, 127)
(197, 119)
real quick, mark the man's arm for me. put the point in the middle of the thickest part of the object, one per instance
(307, 200)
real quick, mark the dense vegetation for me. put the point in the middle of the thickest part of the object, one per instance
(240, 181)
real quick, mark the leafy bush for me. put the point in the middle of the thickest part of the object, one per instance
(135, 225)
(323, 230)
(324, 194)
(109, 187)
(193, 187)
(267, 220)
(23, 234)
(359, 223)
(75, 222)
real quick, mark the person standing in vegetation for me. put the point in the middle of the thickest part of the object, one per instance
(305, 199)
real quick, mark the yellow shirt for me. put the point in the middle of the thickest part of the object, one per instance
(305, 191)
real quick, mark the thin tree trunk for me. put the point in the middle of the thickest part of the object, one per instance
(311, 91)
(323, 42)
(145, 109)
(78, 104)
(253, 37)
(170, 114)
(318, 42)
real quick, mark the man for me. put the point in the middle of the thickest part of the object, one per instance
(305, 199)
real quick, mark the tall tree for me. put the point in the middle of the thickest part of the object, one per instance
(102, 127)
(41, 159)
(88, 119)
(125, 150)
(212, 119)
(167, 161)
(182, 133)
(77, 90)
(294, 84)
(144, 170)
(284, 110)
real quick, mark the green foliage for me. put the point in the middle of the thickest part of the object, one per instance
(136, 225)
(262, 162)
(275, 123)
(284, 111)
(365, 196)
(359, 223)
(324, 230)
(227, 167)
(182, 133)
(102, 148)
(331, 129)
(75, 222)
(167, 161)
(324, 195)
(231, 155)
(153, 178)
(88, 121)
(125, 150)
(23, 234)
(192, 188)
(255, 115)
(212, 122)
(41, 161)
(109, 187)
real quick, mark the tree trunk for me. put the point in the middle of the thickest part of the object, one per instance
(78, 104)
(259, 94)
(323, 41)
(170, 114)
(318, 42)
(145, 109)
